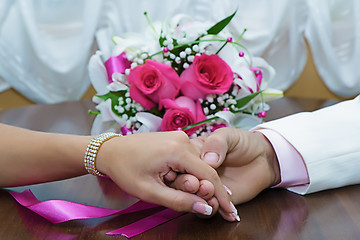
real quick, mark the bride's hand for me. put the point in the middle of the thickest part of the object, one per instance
(140, 164)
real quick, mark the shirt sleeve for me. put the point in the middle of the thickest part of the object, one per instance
(293, 170)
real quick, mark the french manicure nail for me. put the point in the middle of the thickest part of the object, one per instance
(202, 208)
(211, 157)
(228, 190)
(235, 212)
(237, 217)
(233, 208)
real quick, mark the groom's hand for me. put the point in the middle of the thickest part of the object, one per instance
(245, 161)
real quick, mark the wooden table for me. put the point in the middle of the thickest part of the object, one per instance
(274, 214)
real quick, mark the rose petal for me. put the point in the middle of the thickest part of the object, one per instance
(186, 102)
(190, 90)
(200, 116)
(168, 72)
(140, 98)
(168, 103)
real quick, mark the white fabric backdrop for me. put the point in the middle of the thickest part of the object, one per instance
(44, 47)
(45, 44)
(4, 9)
(333, 32)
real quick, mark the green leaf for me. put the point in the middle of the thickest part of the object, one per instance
(91, 112)
(220, 25)
(245, 100)
(199, 123)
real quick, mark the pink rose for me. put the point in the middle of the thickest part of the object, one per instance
(152, 82)
(180, 113)
(208, 74)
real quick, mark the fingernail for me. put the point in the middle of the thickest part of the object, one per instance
(202, 208)
(228, 190)
(236, 217)
(211, 157)
(186, 185)
(233, 208)
(235, 212)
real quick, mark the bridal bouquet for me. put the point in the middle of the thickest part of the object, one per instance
(180, 75)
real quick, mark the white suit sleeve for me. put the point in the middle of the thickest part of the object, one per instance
(328, 141)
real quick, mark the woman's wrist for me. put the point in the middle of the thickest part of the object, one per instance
(111, 150)
(92, 151)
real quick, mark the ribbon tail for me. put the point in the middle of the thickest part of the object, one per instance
(57, 211)
(147, 223)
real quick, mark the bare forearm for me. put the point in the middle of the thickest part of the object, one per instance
(29, 157)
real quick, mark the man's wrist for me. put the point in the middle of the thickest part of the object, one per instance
(292, 169)
(273, 162)
(271, 159)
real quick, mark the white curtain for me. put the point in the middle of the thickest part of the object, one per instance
(44, 47)
(333, 32)
(45, 44)
(4, 9)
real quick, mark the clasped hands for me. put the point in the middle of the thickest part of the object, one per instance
(203, 175)
(245, 162)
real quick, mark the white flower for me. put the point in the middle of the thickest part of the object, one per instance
(240, 66)
(150, 122)
(97, 74)
(240, 120)
(107, 114)
(134, 43)
(99, 126)
(188, 28)
(119, 82)
(226, 115)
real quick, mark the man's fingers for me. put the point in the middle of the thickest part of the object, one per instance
(216, 146)
(202, 171)
(206, 190)
(192, 164)
(245, 182)
(186, 182)
(189, 183)
(179, 200)
(170, 176)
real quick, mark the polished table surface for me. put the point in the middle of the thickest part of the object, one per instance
(273, 214)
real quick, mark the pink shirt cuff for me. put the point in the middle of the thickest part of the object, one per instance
(292, 167)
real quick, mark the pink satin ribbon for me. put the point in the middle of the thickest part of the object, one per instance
(57, 211)
(259, 75)
(116, 64)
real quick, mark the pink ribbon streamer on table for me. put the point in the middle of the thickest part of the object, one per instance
(116, 64)
(57, 211)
